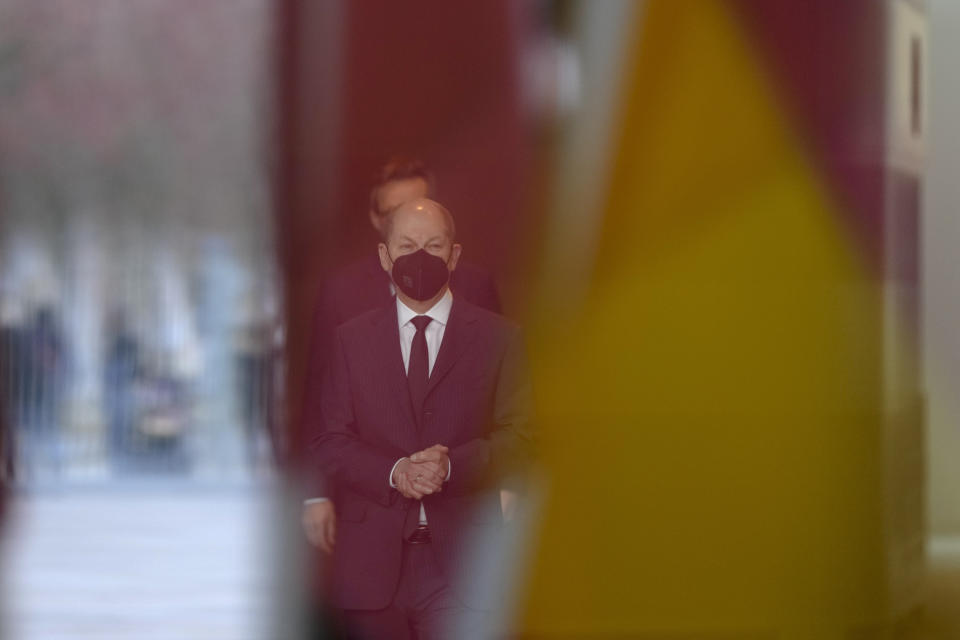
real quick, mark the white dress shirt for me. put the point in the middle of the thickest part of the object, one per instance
(439, 315)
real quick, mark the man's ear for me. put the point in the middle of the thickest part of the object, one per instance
(384, 257)
(454, 256)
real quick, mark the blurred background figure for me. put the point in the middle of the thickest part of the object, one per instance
(122, 371)
(12, 320)
(40, 362)
(256, 361)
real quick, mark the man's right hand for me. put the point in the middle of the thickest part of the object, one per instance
(434, 458)
(320, 524)
(418, 480)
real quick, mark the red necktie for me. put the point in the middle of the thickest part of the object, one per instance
(418, 369)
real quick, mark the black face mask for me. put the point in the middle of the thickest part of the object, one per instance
(420, 275)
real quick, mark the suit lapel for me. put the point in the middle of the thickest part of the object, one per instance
(387, 351)
(456, 338)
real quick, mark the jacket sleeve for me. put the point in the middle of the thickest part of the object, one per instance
(347, 460)
(315, 481)
(507, 449)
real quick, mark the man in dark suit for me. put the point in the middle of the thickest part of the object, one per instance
(426, 408)
(359, 287)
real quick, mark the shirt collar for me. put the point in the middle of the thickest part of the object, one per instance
(440, 312)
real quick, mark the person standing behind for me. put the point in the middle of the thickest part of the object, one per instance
(43, 368)
(357, 288)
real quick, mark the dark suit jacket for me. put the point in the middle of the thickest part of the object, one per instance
(355, 289)
(478, 405)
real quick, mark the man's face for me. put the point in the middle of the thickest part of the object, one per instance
(419, 226)
(393, 194)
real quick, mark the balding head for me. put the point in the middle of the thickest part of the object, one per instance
(422, 214)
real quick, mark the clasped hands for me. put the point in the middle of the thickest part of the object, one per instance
(422, 473)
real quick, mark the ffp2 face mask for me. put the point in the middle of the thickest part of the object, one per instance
(420, 274)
